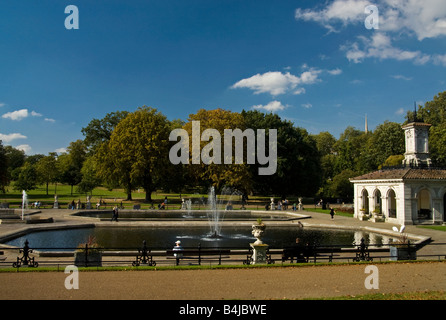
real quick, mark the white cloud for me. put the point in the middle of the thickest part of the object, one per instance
(439, 59)
(273, 106)
(335, 72)
(61, 150)
(413, 18)
(16, 115)
(20, 114)
(25, 147)
(307, 105)
(380, 47)
(49, 120)
(401, 77)
(7, 138)
(276, 83)
(2, 104)
(338, 11)
(400, 111)
(424, 19)
(299, 91)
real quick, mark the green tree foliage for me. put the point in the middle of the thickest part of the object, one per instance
(393, 161)
(387, 140)
(4, 177)
(217, 175)
(349, 149)
(27, 178)
(90, 179)
(340, 186)
(47, 170)
(70, 163)
(325, 143)
(99, 131)
(137, 152)
(434, 113)
(298, 161)
(437, 144)
(15, 159)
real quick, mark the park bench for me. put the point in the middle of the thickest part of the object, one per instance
(303, 254)
(199, 255)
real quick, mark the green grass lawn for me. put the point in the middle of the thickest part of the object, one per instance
(114, 197)
(326, 211)
(439, 228)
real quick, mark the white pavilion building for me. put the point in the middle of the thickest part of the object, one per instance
(414, 193)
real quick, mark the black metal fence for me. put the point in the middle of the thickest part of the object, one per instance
(149, 256)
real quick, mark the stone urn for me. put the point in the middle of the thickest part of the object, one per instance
(257, 231)
(259, 249)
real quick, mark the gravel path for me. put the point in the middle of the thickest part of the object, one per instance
(216, 284)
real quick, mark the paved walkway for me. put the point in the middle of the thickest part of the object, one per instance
(228, 284)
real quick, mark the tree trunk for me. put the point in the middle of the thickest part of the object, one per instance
(148, 196)
(129, 192)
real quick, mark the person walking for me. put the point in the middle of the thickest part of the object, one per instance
(332, 213)
(115, 214)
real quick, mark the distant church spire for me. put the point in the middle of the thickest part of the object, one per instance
(366, 125)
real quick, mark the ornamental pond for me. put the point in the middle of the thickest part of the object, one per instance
(231, 236)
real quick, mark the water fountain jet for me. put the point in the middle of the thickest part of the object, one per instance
(24, 203)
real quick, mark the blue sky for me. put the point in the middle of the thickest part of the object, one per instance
(312, 62)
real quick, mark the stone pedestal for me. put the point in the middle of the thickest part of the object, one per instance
(56, 202)
(259, 253)
(88, 205)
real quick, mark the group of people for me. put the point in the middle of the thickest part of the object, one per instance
(75, 205)
(37, 204)
(281, 205)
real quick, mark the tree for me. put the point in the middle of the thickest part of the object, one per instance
(99, 131)
(325, 142)
(137, 152)
(298, 160)
(387, 140)
(434, 113)
(70, 163)
(218, 174)
(340, 186)
(27, 178)
(392, 161)
(47, 170)
(90, 179)
(4, 177)
(15, 159)
(350, 149)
